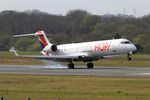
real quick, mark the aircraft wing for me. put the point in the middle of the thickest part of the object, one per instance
(63, 58)
(55, 57)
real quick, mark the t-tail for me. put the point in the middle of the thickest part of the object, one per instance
(42, 39)
(47, 47)
(40, 36)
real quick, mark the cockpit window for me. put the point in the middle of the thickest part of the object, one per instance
(125, 42)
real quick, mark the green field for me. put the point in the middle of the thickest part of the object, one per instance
(42, 87)
(139, 60)
(10, 58)
(38, 87)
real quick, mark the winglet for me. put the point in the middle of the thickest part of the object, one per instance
(12, 49)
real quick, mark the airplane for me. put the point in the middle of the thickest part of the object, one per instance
(84, 51)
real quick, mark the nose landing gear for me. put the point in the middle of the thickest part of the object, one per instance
(129, 58)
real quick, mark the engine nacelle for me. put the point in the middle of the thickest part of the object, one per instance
(50, 48)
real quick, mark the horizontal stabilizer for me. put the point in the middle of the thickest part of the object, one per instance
(23, 35)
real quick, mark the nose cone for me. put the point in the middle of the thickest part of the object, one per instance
(134, 49)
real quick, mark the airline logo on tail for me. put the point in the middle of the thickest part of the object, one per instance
(42, 38)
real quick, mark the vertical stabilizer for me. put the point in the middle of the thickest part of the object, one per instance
(42, 38)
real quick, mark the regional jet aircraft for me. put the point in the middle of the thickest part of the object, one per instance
(84, 51)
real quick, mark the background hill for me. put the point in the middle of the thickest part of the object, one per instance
(75, 26)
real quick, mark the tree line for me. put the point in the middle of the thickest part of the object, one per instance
(75, 26)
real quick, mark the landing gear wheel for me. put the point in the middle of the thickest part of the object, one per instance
(129, 58)
(90, 65)
(71, 66)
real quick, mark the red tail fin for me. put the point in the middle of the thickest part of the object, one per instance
(42, 38)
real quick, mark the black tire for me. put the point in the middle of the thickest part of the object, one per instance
(71, 66)
(129, 58)
(90, 65)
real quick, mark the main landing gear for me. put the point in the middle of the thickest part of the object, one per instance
(71, 65)
(90, 65)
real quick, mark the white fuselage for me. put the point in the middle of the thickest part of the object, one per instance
(97, 48)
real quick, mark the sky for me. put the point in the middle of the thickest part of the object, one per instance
(98, 7)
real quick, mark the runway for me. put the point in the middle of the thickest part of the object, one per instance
(80, 70)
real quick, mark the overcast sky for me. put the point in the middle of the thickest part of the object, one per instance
(98, 7)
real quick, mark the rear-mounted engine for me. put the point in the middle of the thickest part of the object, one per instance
(50, 48)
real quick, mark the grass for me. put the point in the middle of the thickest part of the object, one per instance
(10, 58)
(139, 60)
(38, 87)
